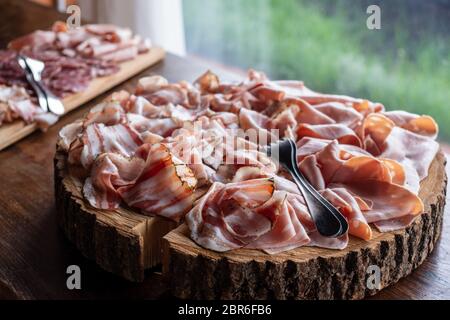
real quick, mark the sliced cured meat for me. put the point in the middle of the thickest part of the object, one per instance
(110, 171)
(164, 187)
(120, 54)
(35, 39)
(168, 94)
(208, 82)
(288, 231)
(258, 127)
(390, 201)
(193, 151)
(384, 139)
(162, 127)
(342, 133)
(150, 84)
(349, 207)
(98, 139)
(108, 113)
(69, 133)
(340, 113)
(16, 103)
(423, 125)
(231, 216)
(72, 58)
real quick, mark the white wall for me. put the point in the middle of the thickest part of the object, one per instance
(159, 20)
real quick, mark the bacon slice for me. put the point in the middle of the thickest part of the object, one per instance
(150, 181)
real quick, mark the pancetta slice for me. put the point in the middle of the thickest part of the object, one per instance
(98, 138)
(165, 186)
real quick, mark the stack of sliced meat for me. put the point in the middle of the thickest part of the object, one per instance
(189, 151)
(72, 57)
(16, 103)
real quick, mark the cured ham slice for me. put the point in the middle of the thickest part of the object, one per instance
(384, 139)
(330, 132)
(349, 207)
(423, 125)
(277, 219)
(340, 113)
(298, 89)
(233, 215)
(379, 182)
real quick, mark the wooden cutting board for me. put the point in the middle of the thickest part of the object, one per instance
(12, 132)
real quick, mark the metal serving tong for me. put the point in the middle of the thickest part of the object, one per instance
(33, 69)
(328, 220)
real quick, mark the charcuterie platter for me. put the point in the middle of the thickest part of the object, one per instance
(109, 74)
(179, 174)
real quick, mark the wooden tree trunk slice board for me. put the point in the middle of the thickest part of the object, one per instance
(120, 241)
(14, 131)
(307, 273)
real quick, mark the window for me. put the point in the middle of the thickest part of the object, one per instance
(404, 65)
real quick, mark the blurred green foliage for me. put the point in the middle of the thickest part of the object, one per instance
(405, 65)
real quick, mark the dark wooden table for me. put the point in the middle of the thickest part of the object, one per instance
(34, 254)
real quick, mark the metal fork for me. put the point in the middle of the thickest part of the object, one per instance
(37, 89)
(33, 69)
(328, 220)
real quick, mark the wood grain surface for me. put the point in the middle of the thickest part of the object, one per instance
(34, 253)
